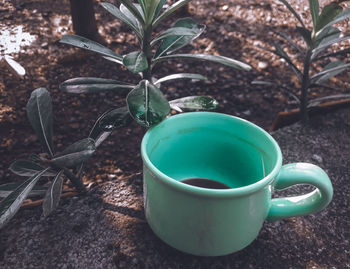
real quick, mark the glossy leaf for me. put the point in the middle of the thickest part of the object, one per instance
(206, 57)
(296, 15)
(133, 10)
(345, 14)
(291, 42)
(333, 54)
(39, 112)
(306, 35)
(84, 43)
(6, 190)
(159, 7)
(10, 205)
(132, 18)
(175, 42)
(27, 168)
(174, 32)
(147, 105)
(317, 101)
(93, 85)
(332, 69)
(53, 194)
(179, 76)
(326, 35)
(314, 10)
(171, 9)
(195, 103)
(14, 65)
(149, 8)
(329, 12)
(329, 71)
(135, 62)
(75, 154)
(327, 42)
(121, 16)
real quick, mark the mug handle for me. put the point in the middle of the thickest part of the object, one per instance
(301, 173)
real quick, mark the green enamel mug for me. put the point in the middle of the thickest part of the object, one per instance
(213, 222)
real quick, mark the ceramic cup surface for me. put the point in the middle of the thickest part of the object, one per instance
(235, 152)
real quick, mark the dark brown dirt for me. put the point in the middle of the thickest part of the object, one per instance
(234, 28)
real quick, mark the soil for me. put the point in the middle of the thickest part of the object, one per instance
(235, 28)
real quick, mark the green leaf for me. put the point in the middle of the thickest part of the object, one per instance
(93, 85)
(306, 35)
(333, 54)
(328, 13)
(345, 14)
(314, 10)
(53, 194)
(10, 205)
(171, 9)
(175, 42)
(121, 16)
(326, 43)
(326, 35)
(133, 10)
(195, 103)
(147, 105)
(280, 52)
(293, 44)
(75, 154)
(6, 190)
(149, 8)
(39, 112)
(330, 70)
(174, 33)
(135, 62)
(159, 7)
(206, 57)
(27, 168)
(179, 76)
(296, 15)
(317, 101)
(84, 43)
(132, 18)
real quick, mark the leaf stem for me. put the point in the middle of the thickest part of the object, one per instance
(305, 87)
(146, 48)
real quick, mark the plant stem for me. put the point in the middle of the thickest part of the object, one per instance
(304, 88)
(75, 181)
(146, 48)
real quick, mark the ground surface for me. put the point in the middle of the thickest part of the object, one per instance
(235, 29)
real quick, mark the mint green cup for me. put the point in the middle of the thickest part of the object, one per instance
(233, 151)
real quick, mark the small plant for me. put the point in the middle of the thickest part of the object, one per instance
(145, 102)
(39, 112)
(317, 40)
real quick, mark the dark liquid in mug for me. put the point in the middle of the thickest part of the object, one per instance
(205, 183)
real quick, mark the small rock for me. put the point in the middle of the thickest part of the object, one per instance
(225, 7)
(262, 65)
(317, 158)
(247, 113)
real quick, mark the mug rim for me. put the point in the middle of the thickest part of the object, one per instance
(199, 191)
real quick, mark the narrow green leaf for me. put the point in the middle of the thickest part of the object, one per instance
(150, 10)
(10, 205)
(53, 194)
(194, 103)
(39, 112)
(326, 43)
(121, 16)
(15, 66)
(345, 14)
(329, 72)
(333, 54)
(327, 35)
(180, 76)
(75, 154)
(296, 15)
(328, 13)
(93, 85)
(84, 43)
(206, 57)
(314, 10)
(281, 53)
(175, 42)
(305, 34)
(133, 10)
(288, 90)
(147, 105)
(317, 101)
(174, 32)
(159, 7)
(171, 9)
(291, 42)
(27, 168)
(6, 189)
(135, 62)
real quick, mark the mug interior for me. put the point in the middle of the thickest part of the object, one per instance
(210, 145)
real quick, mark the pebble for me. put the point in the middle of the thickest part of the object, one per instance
(317, 158)
(262, 65)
